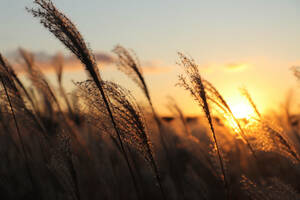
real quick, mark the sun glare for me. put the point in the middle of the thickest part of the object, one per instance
(242, 110)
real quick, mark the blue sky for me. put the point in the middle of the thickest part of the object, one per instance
(264, 36)
(160, 28)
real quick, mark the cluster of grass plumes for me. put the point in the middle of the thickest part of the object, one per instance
(97, 142)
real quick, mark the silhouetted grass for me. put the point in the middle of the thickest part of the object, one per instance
(97, 142)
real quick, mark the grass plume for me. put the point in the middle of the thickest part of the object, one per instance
(64, 30)
(193, 83)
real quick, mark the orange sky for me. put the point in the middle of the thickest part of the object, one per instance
(268, 86)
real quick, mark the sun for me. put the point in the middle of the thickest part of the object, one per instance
(242, 111)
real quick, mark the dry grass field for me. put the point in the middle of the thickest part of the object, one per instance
(97, 142)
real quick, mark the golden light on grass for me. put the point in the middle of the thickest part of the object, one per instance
(242, 110)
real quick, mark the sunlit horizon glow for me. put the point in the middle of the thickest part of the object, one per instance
(242, 111)
(230, 91)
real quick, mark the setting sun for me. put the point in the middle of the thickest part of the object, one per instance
(242, 110)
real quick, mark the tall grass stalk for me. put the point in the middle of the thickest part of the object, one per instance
(128, 117)
(130, 65)
(58, 63)
(7, 81)
(193, 83)
(18, 81)
(217, 98)
(271, 130)
(64, 30)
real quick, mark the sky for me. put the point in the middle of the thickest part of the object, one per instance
(236, 43)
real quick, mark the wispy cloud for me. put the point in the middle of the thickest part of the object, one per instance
(42, 56)
(236, 66)
(45, 61)
(156, 67)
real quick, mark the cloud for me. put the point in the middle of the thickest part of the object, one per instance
(42, 56)
(236, 66)
(156, 67)
(45, 61)
(104, 60)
